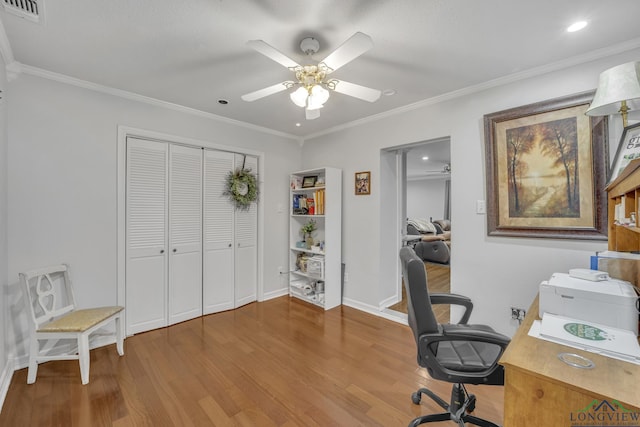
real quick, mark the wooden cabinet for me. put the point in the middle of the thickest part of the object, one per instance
(542, 390)
(315, 271)
(623, 196)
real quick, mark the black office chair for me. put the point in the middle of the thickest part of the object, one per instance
(459, 353)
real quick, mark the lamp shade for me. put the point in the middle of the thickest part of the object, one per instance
(617, 84)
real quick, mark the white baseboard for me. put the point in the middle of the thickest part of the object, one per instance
(390, 301)
(5, 379)
(377, 311)
(275, 294)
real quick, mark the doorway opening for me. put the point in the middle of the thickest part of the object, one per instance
(423, 178)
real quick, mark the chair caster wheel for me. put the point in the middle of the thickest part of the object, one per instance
(472, 404)
(415, 398)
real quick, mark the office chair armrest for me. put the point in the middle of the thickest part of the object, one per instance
(461, 332)
(454, 299)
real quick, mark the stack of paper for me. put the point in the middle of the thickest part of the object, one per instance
(593, 337)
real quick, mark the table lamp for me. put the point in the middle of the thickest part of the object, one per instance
(618, 91)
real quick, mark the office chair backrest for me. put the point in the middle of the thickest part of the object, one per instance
(421, 317)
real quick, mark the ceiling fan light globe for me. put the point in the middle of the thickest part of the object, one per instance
(299, 97)
(319, 95)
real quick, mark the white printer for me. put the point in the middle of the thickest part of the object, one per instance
(598, 299)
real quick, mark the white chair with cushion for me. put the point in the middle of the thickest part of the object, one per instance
(54, 316)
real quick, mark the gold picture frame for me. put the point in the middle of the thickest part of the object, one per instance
(362, 183)
(546, 166)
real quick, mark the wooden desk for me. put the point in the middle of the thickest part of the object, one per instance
(542, 390)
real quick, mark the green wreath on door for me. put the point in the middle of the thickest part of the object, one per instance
(242, 188)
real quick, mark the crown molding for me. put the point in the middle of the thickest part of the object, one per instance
(62, 78)
(500, 81)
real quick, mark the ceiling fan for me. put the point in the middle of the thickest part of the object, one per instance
(446, 170)
(312, 83)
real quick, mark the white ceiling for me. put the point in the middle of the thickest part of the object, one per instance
(193, 53)
(438, 155)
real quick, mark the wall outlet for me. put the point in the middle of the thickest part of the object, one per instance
(518, 314)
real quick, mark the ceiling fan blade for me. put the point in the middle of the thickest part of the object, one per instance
(261, 93)
(355, 46)
(272, 53)
(357, 91)
(312, 114)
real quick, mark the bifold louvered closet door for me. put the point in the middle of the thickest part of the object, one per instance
(246, 253)
(218, 283)
(182, 247)
(146, 231)
(185, 233)
(230, 235)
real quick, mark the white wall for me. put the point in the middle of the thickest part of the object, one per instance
(63, 184)
(425, 198)
(495, 272)
(5, 369)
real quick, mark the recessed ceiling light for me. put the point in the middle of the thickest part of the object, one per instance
(576, 26)
(223, 101)
(298, 125)
(425, 158)
(388, 92)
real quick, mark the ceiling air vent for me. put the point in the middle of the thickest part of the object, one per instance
(28, 9)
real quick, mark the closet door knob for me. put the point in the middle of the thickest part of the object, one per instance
(230, 245)
(161, 251)
(175, 250)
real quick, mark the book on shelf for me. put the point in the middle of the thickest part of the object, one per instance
(319, 201)
(306, 205)
(296, 182)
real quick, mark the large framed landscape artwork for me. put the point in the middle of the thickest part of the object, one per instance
(546, 167)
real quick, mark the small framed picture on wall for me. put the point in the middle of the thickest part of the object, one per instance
(363, 183)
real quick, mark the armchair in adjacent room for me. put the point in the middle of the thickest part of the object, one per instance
(434, 245)
(457, 353)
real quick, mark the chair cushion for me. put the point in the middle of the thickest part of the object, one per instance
(467, 356)
(422, 225)
(445, 224)
(80, 320)
(431, 237)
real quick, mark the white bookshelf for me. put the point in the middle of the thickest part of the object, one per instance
(315, 274)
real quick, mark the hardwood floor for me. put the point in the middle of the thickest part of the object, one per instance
(276, 363)
(439, 281)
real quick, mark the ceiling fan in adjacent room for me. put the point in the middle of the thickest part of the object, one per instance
(312, 85)
(446, 170)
